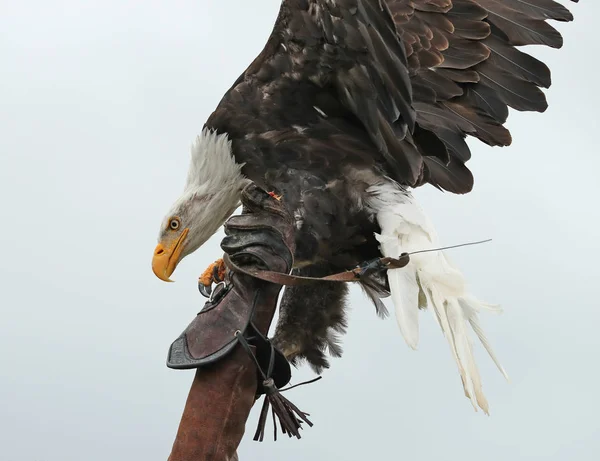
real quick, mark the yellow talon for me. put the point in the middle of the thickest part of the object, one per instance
(213, 273)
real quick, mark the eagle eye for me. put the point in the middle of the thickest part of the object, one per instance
(174, 224)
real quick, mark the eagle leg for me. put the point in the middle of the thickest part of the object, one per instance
(311, 319)
(214, 273)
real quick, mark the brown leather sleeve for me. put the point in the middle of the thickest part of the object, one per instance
(216, 410)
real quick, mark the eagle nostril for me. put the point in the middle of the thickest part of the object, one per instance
(159, 251)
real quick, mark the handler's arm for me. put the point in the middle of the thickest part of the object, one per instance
(225, 384)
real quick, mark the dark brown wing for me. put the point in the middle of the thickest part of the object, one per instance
(466, 71)
(344, 57)
(412, 78)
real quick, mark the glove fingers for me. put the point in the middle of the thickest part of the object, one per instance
(267, 240)
(256, 199)
(256, 221)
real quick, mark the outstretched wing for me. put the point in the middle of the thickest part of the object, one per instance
(414, 77)
(466, 71)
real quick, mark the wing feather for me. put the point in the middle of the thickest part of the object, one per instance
(519, 28)
(418, 76)
(481, 75)
(520, 64)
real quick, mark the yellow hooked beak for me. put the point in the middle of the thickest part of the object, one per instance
(166, 257)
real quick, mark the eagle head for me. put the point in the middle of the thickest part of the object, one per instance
(211, 195)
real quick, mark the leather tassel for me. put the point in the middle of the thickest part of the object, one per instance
(289, 415)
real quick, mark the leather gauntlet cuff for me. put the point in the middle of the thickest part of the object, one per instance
(262, 237)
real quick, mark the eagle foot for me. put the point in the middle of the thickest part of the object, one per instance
(215, 273)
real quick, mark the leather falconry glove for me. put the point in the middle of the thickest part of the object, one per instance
(227, 341)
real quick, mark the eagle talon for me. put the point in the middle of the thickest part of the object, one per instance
(215, 273)
(205, 290)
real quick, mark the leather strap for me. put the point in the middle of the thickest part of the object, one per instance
(353, 275)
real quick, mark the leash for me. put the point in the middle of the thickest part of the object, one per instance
(353, 275)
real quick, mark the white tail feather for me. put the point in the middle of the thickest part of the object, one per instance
(431, 279)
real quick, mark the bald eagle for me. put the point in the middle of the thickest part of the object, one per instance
(350, 106)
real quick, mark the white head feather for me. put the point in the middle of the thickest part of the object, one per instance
(211, 193)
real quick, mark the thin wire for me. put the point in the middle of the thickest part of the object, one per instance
(450, 247)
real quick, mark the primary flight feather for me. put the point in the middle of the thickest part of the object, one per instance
(351, 105)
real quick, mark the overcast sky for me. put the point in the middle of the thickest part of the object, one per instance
(99, 103)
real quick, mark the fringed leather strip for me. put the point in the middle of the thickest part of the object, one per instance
(289, 415)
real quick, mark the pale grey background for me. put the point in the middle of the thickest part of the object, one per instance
(99, 103)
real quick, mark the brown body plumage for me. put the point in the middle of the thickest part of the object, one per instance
(349, 94)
